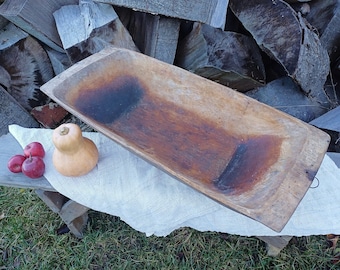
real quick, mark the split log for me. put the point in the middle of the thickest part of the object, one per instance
(36, 18)
(330, 123)
(155, 35)
(89, 27)
(297, 1)
(321, 13)
(329, 120)
(284, 95)
(3, 22)
(330, 37)
(229, 58)
(335, 157)
(210, 12)
(325, 17)
(283, 35)
(24, 67)
(60, 61)
(335, 82)
(10, 35)
(11, 112)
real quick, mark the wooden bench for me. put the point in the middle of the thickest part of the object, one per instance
(73, 214)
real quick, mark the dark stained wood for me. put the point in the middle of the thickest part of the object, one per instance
(36, 18)
(193, 129)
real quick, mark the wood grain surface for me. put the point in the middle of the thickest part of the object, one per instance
(243, 154)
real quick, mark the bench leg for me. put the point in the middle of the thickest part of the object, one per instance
(75, 217)
(275, 244)
(73, 214)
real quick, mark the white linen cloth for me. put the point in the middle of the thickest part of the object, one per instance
(153, 202)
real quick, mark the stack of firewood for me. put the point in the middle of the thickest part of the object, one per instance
(283, 53)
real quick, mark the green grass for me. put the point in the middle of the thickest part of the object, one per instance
(28, 240)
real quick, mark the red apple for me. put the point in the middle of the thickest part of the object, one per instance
(34, 149)
(33, 167)
(14, 164)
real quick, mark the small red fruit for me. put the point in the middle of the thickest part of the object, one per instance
(14, 164)
(33, 167)
(34, 149)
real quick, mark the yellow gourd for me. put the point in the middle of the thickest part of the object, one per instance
(74, 155)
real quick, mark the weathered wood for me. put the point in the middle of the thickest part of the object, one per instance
(54, 200)
(229, 58)
(325, 17)
(155, 35)
(3, 22)
(35, 18)
(10, 35)
(284, 94)
(329, 120)
(88, 28)
(320, 14)
(11, 112)
(190, 127)
(59, 61)
(24, 67)
(284, 36)
(275, 244)
(78, 224)
(71, 210)
(335, 157)
(211, 12)
(297, 1)
(73, 214)
(331, 35)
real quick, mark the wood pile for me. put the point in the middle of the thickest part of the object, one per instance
(282, 53)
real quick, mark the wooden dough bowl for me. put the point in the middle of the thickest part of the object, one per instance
(245, 155)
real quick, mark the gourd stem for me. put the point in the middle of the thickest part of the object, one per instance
(64, 131)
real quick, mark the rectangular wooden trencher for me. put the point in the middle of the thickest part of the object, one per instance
(245, 155)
